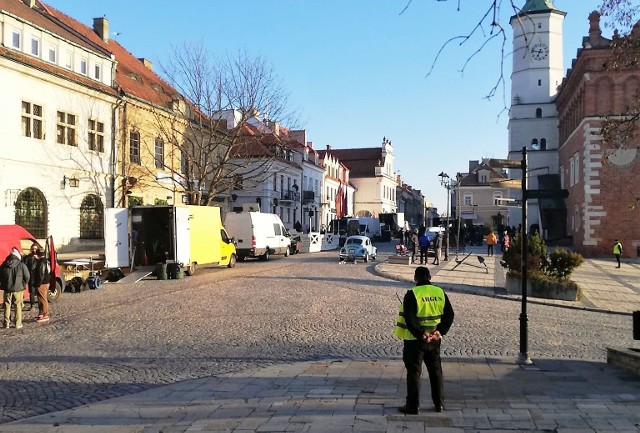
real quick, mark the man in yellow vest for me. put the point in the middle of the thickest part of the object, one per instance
(425, 316)
(617, 251)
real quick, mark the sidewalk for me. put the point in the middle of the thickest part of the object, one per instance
(490, 394)
(485, 394)
(604, 287)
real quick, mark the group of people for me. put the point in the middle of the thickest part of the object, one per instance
(16, 273)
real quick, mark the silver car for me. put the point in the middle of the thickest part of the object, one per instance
(358, 248)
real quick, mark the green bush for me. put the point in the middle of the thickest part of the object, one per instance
(561, 263)
(536, 255)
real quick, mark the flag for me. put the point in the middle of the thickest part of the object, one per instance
(338, 206)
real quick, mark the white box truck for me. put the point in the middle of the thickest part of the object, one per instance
(148, 235)
(257, 234)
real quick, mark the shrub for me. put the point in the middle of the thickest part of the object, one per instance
(561, 263)
(536, 255)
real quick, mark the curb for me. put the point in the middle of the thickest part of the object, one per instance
(458, 289)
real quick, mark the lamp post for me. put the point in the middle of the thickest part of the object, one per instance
(445, 181)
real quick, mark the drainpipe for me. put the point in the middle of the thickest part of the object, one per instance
(114, 150)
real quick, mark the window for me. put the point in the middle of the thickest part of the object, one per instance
(96, 135)
(68, 60)
(16, 39)
(539, 113)
(572, 179)
(31, 212)
(468, 200)
(562, 177)
(97, 72)
(83, 66)
(183, 162)
(66, 128)
(275, 182)
(35, 47)
(534, 144)
(576, 169)
(91, 218)
(134, 147)
(484, 178)
(543, 144)
(497, 197)
(539, 82)
(53, 54)
(32, 120)
(159, 153)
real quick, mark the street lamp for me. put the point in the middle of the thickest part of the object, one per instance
(445, 181)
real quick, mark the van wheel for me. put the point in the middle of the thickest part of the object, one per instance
(286, 252)
(265, 256)
(232, 261)
(191, 269)
(54, 294)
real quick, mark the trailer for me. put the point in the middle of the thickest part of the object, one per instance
(188, 236)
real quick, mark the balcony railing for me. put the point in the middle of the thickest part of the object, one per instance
(308, 196)
(290, 195)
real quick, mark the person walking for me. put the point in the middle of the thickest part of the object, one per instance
(424, 248)
(415, 244)
(425, 316)
(30, 260)
(42, 280)
(14, 276)
(617, 251)
(437, 248)
(491, 241)
(505, 241)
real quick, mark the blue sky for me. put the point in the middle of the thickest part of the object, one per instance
(356, 70)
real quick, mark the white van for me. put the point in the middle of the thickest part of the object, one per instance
(257, 234)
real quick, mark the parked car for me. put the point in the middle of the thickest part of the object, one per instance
(257, 234)
(358, 248)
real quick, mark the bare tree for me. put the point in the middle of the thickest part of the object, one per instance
(218, 115)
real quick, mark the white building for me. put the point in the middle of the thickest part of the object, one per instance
(57, 162)
(533, 118)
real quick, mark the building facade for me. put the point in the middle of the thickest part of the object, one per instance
(601, 178)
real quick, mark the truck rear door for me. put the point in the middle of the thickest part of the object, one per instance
(116, 237)
(183, 238)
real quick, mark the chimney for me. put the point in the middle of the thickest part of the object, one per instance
(310, 144)
(101, 27)
(328, 148)
(147, 63)
(30, 3)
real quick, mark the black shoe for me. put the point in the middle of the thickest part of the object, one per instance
(408, 410)
(439, 408)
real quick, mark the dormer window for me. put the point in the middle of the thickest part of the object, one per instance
(35, 47)
(97, 72)
(53, 54)
(16, 38)
(83, 66)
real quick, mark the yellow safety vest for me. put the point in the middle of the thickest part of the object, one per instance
(430, 309)
(617, 248)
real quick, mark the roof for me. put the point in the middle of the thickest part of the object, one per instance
(472, 179)
(132, 77)
(361, 162)
(538, 6)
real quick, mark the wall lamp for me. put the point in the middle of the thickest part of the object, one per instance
(74, 182)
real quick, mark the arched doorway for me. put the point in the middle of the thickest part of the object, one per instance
(91, 218)
(31, 212)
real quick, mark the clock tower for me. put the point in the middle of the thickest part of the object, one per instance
(533, 118)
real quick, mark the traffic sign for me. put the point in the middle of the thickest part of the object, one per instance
(506, 183)
(547, 193)
(505, 163)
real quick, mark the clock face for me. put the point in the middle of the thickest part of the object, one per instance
(539, 51)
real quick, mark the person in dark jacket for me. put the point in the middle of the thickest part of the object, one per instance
(42, 280)
(14, 275)
(425, 316)
(30, 260)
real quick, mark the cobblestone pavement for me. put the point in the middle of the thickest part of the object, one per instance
(124, 339)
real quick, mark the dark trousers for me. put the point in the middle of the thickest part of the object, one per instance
(414, 354)
(424, 255)
(490, 250)
(617, 259)
(32, 293)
